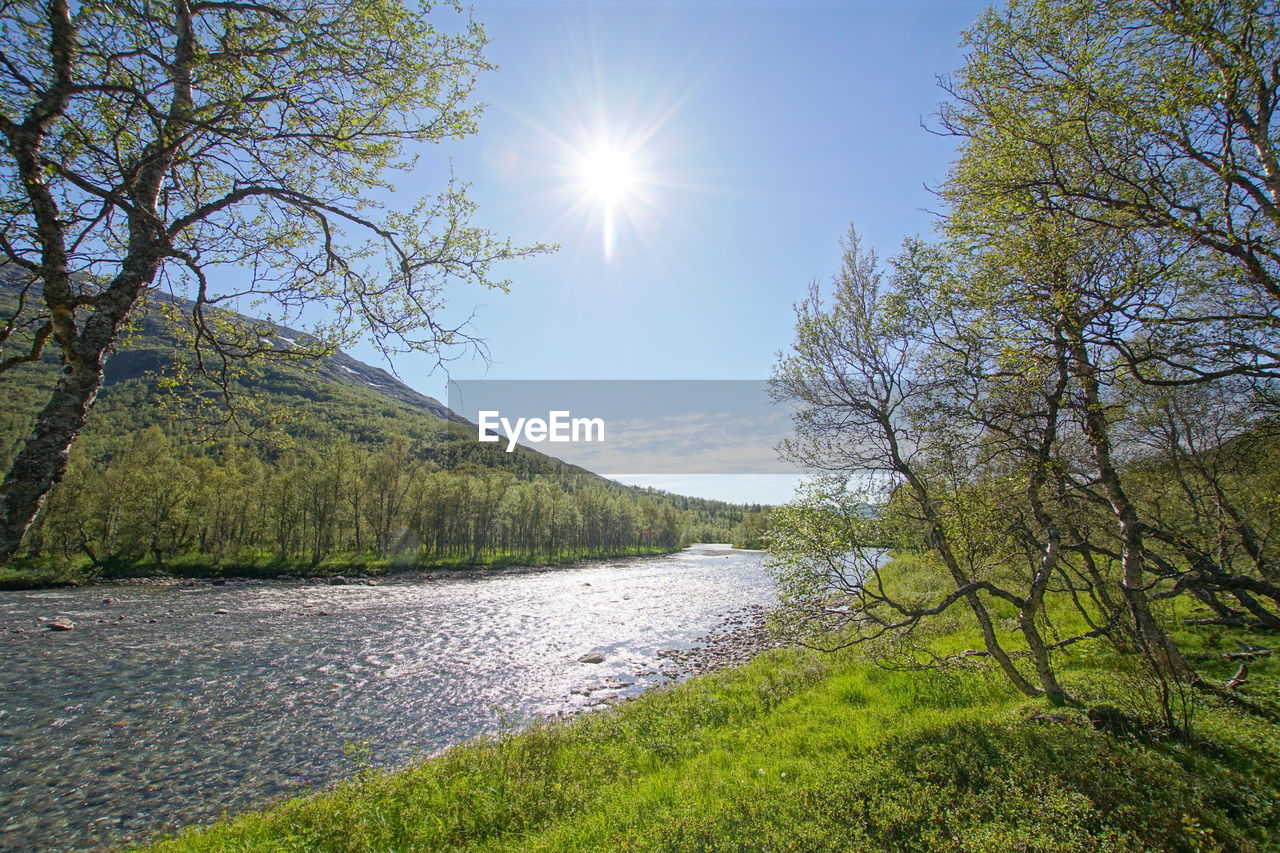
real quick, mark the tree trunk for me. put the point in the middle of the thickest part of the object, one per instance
(1040, 659)
(938, 540)
(42, 461)
(1151, 639)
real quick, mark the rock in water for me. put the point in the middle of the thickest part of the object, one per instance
(61, 624)
(591, 657)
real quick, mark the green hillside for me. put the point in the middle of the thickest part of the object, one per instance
(353, 470)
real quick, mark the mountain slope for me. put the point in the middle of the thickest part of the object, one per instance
(350, 469)
(337, 396)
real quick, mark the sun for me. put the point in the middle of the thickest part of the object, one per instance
(610, 179)
(605, 152)
(608, 175)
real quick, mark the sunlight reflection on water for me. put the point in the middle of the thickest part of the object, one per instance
(125, 726)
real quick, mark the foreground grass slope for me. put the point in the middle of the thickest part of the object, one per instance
(801, 751)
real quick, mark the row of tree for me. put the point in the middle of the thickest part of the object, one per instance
(1072, 394)
(154, 501)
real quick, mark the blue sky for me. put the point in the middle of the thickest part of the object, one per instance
(756, 134)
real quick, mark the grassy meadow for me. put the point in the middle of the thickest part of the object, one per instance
(809, 751)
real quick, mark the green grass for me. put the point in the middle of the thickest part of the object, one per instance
(800, 751)
(28, 573)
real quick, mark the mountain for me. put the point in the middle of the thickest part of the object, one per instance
(336, 396)
(153, 346)
(332, 466)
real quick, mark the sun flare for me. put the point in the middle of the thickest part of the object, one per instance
(610, 179)
(608, 175)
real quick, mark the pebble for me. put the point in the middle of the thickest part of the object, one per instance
(738, 638)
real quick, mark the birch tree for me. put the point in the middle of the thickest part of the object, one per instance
(157, 144)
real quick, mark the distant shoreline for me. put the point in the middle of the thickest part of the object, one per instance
(19, 578)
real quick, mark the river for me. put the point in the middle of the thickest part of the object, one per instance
(157, 710)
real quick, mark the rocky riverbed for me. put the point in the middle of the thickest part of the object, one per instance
(737, 638)
(167, 702)
(741, 635)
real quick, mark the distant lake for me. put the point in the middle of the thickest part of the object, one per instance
(125, 726)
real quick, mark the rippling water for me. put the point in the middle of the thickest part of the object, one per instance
(157, 711)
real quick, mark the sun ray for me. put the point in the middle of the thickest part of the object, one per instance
(609, 178)
(607, 154)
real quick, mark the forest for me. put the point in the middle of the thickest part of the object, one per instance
(150, 504)
(315, 473)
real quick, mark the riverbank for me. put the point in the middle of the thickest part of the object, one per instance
(803, 751)
(36, 574)
(169, 704)
(739, 637)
